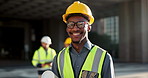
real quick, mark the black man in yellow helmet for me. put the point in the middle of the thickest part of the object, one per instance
(81, 59)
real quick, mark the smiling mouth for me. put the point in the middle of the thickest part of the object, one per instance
(75, 34)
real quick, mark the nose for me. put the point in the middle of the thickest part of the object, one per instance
(75, 27)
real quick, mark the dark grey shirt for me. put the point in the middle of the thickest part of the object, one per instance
(79, 58)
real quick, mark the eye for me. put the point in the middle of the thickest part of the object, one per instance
(80, 24)
(70, 24)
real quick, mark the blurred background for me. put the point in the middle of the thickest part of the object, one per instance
(120, 27)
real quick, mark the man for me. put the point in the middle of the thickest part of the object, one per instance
(43, 57)
(81, 59)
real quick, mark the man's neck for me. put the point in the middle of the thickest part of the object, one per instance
(78, 46)
(45, 48)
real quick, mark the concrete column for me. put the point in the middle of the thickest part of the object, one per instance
(144, 9)
(27, 41)
(133, 31)
(124, 23)
(56, 29)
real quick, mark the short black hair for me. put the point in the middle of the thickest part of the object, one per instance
(77, 14)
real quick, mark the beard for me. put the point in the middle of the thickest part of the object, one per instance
(76, 42)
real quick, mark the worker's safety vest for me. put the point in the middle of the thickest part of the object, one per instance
(41, 57)
(92, 65)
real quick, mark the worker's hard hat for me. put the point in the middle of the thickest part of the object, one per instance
(67, 41)
(46, 39)
(78, 7)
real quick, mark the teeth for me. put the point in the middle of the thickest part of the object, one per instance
(76, 33)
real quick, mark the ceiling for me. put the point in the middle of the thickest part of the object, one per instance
(44, 9)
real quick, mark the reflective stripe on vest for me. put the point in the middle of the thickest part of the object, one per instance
(41, 57)
(93, 62)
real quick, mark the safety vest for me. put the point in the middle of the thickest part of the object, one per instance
(93, 62)
(41, 57)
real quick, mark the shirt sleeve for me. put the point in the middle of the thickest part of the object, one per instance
(55, 67)
(108, 67)
(35, 58)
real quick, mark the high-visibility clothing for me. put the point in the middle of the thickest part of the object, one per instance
(41, 57)
(94, 62)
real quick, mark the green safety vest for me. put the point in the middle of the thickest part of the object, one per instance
(93, 62)
(41, 57)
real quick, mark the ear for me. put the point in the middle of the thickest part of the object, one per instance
(89, 28)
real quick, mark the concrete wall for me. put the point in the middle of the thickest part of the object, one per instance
(56, 29)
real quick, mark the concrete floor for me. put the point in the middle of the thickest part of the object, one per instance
(122, 70)
(131, 70)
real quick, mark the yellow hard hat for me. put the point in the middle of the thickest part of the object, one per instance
(78, 7)
(67, 41)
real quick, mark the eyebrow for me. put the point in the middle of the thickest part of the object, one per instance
(77, 14)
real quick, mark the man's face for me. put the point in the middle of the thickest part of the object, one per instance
(45, 45)
(78, 33)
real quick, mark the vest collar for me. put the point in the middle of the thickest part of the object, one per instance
(87, 45)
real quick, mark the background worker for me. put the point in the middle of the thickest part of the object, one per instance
(43, 57)
(67, 42)
(81, 59)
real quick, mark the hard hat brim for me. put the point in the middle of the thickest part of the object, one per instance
(91, 18)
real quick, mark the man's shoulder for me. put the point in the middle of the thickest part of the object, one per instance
(108, 55)
(51, 48)
(100, 48)
(62, 50)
